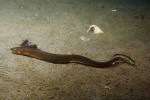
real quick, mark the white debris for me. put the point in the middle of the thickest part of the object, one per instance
(69, 53)
(84, 38)
(95, 29)
(114, 10)
(107, 87)
(36, 15)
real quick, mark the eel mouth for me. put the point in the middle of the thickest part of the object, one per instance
(13, 50)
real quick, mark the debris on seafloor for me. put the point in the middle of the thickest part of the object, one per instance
(95, 29)
(84, 38)
(108, 87)
(69, 53)
(113, 10)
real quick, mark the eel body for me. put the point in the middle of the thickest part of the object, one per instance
(31, 50)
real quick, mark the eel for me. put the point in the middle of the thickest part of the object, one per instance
(31, 50)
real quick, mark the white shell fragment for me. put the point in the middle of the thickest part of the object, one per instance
(84, 38)
(69, 53)
(108, 87)
(95, 29)
(114, 10)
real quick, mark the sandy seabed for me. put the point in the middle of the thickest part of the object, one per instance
(56, 26)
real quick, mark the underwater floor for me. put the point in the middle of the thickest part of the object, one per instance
(57, 26)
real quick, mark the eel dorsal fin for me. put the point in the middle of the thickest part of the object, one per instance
(27, 43)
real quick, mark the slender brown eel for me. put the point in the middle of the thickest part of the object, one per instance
(31, 50)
